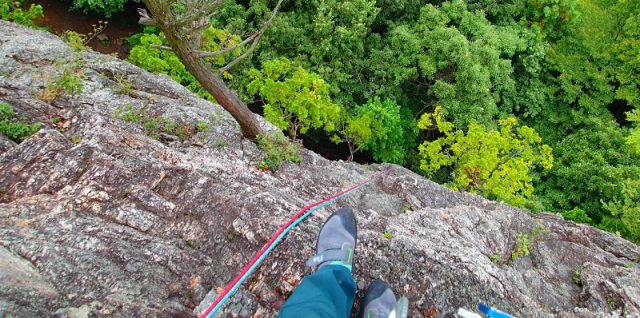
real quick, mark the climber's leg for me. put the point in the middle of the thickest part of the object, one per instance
(327, 293)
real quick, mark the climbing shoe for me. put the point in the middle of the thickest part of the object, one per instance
(336, 241)
(380, 302)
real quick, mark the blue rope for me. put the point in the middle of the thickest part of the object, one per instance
(263, 256)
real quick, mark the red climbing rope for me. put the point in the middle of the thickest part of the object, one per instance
(274, 239)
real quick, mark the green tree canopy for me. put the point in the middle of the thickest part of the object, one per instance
(295, 99)
(495, 163)
(380, 127)
(104, 7)
(11, 10)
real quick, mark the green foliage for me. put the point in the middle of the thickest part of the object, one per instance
(461, 66)
(554, 17)
(156, 60)
(633, 140)
(523, 246)
(155, 125)
(577, 276)
(387, 235)
(14, 128)
(11, 10)
(103, 7)
(329, 38)
(495, 163)
(593, 173)
(592, 75)
(144, 54)
(495, 258)
(295, 100)
(76, 41)
(69, 81)
(379, 126)
(277, 149)
(577, 215)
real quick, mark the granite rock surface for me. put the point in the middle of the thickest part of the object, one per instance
(102, 217)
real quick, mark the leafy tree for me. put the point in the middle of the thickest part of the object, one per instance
(104, 7)
(146, 54)
(329, 38)
(183, 23)
(295, 99)
(588, 78)
(577, 215)
(495, 163)
(593, 173)
(11, 10)
(633, 141)
(624, 210)
(454, 57)
(554, 17)
(378, 126)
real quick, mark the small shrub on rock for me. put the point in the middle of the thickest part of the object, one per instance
(10, 126)
(277, 149)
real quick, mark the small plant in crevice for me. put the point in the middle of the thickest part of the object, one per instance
(202, 126)
(523, 246)
(14, 128)
(155, 125)
(123, 85)
(77, 41)
(577, 276)
(612, 303)
(277, 149)
(69, 81)
(495, 258)
(387, 235)
(220, 143)
(539, 230)
(524, 241)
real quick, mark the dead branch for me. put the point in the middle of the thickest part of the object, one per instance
(205, 11)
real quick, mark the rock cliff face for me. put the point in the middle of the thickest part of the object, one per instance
(98, 219)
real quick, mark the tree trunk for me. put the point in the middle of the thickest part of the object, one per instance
(210, 80)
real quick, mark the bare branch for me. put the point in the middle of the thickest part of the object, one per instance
(231, 48)
(196, 30)
(162, 47)
(205, 11)
(241, 57)
(145, 19)
(256, 38)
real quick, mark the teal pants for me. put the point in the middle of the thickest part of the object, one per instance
(327, 293)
